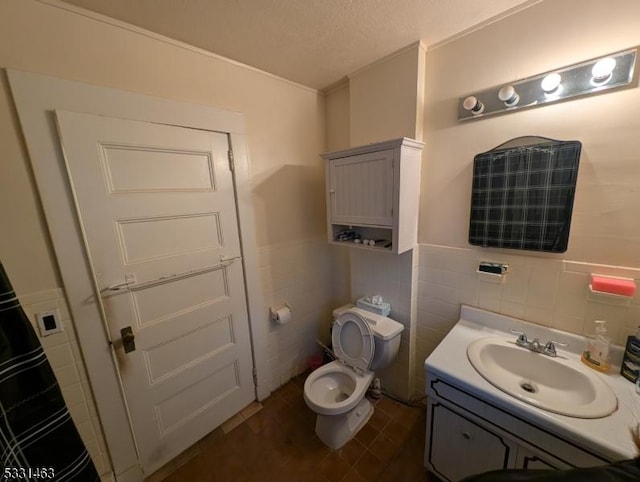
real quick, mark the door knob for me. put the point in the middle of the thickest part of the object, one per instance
(128, 339)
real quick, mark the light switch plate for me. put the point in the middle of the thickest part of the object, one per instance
(49, 322)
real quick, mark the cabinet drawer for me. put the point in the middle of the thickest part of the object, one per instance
(525, 433)
(458, 447)
(526, 459)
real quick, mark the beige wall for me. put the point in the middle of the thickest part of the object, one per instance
(547, 289)
(337, 117)
(285, 126)
(546, 36)
(384, 98)
(285, 123)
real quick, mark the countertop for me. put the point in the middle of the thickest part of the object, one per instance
(609, 436)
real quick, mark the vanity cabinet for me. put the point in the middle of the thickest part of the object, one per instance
(374, 191)
(459, 447)
(466, 435)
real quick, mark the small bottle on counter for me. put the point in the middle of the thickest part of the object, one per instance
(631, 359)
(596, 353)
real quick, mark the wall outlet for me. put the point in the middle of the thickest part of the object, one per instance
(49, 322)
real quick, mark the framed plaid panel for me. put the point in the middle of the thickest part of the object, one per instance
(522, 196)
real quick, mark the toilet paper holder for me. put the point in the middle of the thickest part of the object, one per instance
(273, 313)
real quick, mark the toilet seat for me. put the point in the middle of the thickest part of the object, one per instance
(353, 341)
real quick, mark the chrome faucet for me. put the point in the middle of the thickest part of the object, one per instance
(548, 349)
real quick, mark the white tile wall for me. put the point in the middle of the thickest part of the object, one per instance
(312, 276)
(395, 279)
(64, 355)
(544, 290)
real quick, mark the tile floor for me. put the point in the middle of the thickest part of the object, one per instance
(278, 443)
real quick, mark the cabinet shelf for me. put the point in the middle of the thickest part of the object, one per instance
(374, 190)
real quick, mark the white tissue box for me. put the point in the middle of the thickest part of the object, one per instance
(382, 309)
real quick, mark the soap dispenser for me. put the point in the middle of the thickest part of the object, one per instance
(596, 353)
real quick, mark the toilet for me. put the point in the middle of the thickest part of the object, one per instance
(362, 342)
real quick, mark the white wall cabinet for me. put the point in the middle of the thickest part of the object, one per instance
(466, 436)
(374, 190)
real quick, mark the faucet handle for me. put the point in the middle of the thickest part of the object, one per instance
(550, 347)
(522, 337)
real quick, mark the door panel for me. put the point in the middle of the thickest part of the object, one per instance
(157, 209)
(362, 189)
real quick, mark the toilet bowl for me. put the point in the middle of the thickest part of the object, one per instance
(335, 388)
(336, 391)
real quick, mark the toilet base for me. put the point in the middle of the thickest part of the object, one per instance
(337, 430)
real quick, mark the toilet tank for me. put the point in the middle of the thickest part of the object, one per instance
(386, 333)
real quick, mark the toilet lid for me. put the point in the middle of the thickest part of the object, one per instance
(353, 342)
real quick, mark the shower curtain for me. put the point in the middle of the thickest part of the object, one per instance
(38, 439)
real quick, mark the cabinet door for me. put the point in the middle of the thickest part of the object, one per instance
(526, 459)
(458, 447)
(361, 189)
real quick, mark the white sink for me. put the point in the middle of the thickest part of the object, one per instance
(556, 384)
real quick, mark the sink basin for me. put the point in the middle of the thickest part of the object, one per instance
(556, 384)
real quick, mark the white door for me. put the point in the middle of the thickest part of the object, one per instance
(157, 209)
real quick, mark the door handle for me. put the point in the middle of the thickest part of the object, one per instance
(128, 339)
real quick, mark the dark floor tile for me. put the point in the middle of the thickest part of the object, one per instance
(202, 469)
(212, 438)
(384, 447)
(279, 443)
(260, 422)
(408, 416)
(366, 435)
(274, 406)
(296, 429)
(408, 463)
(379, 419)
(353, 476)
(369, 466)
(396, 431)
(333, 467)
(352, 451)
(405, 467)
(306, 474)
(290, 392)
(305, 454)
(390, 406)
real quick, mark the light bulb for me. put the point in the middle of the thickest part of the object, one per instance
(508, 95)
(551, 83)
(601, 71)
(474, 105)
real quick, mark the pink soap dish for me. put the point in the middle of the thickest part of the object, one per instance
(605, 289)
(615, 286)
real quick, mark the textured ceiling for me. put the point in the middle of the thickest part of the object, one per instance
(313, 42)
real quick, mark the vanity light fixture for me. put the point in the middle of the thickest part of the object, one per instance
(508, 95)
(602, 71)
(595, 76)
(552, 84)
(473, 105)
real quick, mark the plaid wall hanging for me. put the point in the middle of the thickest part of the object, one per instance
(522, 195)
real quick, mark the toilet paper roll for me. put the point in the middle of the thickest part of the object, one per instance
(281, 316)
